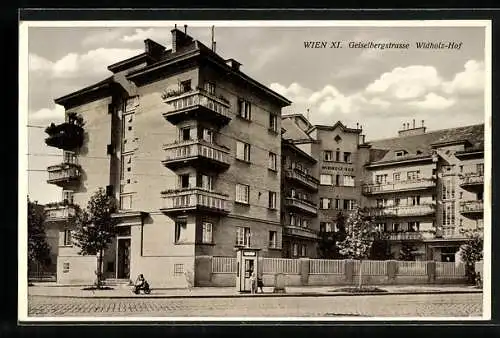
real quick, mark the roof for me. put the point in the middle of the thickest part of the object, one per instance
(383, 150)
(292, 146)
(335, 126)
(293, 131)
(297, 115)
(89, 91)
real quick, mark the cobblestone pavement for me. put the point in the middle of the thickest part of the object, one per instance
(447, 305)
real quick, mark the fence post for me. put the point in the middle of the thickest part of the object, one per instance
(392, 270)
(431, 272)
(349, 271)
(260, 266)
(203, 270)
(304, 270)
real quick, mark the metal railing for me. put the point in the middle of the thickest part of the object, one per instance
(301, 204)
(471, 206)
(188, 149)
(302, 177)
(63, 171)
(375, 188)
(404, 210)
(195, 197)
(198, 98)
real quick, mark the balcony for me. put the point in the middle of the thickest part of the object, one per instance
(66, 136)
(198, 154)
(409, 185)
(64, 174)
(406, 236)
(305, 180)
(197, 105)
(404, 211)
(450, 233)
(472, 181)
(59, 212)
(296, 231)
(194, 200)
(301, 205)
(472, 209)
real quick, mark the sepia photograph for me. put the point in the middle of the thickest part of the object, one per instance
(254, 170)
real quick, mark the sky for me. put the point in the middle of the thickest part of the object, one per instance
(379, 89)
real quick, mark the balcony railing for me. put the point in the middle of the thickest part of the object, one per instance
(380, 188)
(67, 136)
(63, 173)
(406, 236)
(302, 205)
(59, 212)
(450, 233)
(472, 207)
(306, 180)
(215, 108)
(471, 179)
(404, 210)
(194, 199)
(198, 151)
(293, 230)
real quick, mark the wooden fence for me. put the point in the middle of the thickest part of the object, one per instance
(326, 266)
(417, 268)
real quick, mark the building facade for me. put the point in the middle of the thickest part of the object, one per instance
(190, 148)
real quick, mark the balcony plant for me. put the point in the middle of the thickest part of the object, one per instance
(67, 135)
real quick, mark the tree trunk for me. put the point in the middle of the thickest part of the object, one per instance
(99, 269)
(360, 274)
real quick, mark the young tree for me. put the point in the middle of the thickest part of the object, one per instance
(471, 252)
(38, 248)
(95, 229)
(360, 234)
(327, 246)
(407, 252)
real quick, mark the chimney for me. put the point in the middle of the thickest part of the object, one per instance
(214, 47)
(357, 125)
(422, 123)
(413, 123)
(235, 65)
(180, 39)
(185, 29)
(407, 131)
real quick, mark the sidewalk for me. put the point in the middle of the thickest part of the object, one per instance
(120, 291)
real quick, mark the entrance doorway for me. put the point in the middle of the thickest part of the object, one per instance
(123, 258)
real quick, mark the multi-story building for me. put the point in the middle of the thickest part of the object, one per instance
(423, 187)
(190, 146)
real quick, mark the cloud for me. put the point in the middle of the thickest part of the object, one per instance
(150, 33)
(406, 82)
(73, 65)
(470, 81)
(54, 113)
(433, 102)
(103, 37)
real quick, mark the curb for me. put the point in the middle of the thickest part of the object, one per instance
(278, 295)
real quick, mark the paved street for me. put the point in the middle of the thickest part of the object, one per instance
(444, 305)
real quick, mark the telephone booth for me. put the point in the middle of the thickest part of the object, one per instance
(247, 263)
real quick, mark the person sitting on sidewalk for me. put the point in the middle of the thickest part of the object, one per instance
(140, 283)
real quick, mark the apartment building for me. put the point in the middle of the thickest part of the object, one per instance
(189, 145)
(423, 187)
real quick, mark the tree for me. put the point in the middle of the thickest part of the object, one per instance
(407, 252)
(360, 234)
(327, 246)
(38, 248)
(381, 249)
(471, 252)
(95, 229)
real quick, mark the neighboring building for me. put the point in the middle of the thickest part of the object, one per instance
(190, 147)
(423, 187)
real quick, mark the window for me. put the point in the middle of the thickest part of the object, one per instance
(243, 151)
(67, 237)
(185, 134)
(273, 122)
(292, 193)
(206, 232)
(65, 267)
(185, 86)
(208, 135)
(273, 239)
(414, 200)
(348, 181)
(480, 168)
(178, 269)
(337, 156)
(126, 202)
(325, 226)
(180, 231)
(293, 219)
(395, 227)
(243, 236)
(381, 203)
(70, 157)
(327, 155)
(400, 153)
(397, 177)
(184, 181)
(338, 204)
(325, 179)
(242, 193)
(349, 204)
(295, 249)
(413, 175)
(325, 203)
(347, 157)
(206, 182)
(272, 200)
(479, 196)
(67, 196)
(305, 223)
(272, 161)
(397, 201)
(449, 213)
(244, 109)
(461, 168)
(448, 188)
(413, 226)
(210, 87)
(381, 179)
(381, 227)
(303, 250)
(337, 180)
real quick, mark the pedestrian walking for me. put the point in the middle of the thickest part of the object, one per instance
(253, 283)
